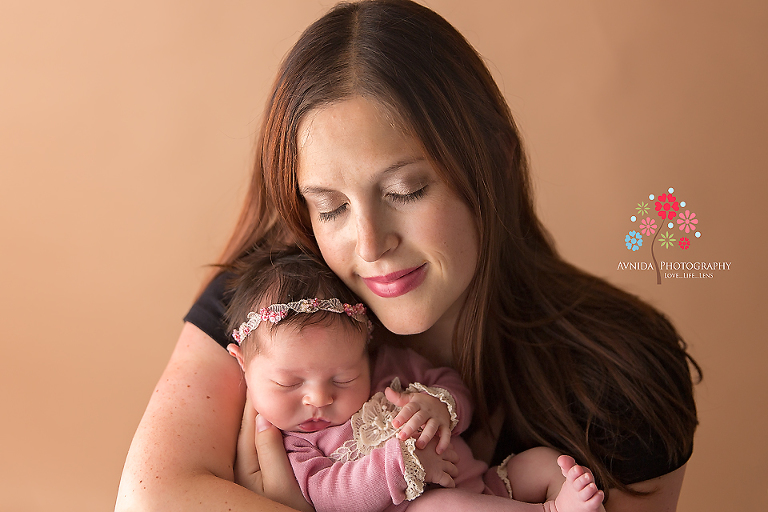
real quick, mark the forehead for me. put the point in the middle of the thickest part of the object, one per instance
(294, 341)
(356, 132)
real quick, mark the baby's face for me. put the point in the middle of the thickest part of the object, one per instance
(309, 379)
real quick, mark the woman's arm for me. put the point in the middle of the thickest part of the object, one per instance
(665, 493)
(182, 453)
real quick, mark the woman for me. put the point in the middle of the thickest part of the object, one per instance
(388, 149)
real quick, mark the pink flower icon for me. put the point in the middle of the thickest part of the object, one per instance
(667, 206)
(687, 221)
(684, 243)
(648, 226)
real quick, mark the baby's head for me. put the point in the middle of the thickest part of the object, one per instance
(304, 354)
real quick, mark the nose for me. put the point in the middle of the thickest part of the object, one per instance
(375, 234)
(318, 396)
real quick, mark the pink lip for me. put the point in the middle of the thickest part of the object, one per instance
(314, 425)
(397, 283)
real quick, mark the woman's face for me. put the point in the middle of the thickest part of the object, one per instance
(385, 223)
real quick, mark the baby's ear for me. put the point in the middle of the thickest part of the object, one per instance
(236, 352)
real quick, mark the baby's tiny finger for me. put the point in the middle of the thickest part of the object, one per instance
(445, 439)
(446, 480)
(427, 433)
(450, 455)
(397, 398)
(402, 417)
(406, 414)
(451, 469)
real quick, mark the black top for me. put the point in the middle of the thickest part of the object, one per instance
(643, 456)
(207, 314)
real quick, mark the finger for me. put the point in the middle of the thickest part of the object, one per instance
(247, 460)
(277, 474)
(397, 398)
(418, 421)
(415, 423)
(445, 439)
(450, 455)
(446, 480)
(451, 469)
(405, 414)
(427, 433)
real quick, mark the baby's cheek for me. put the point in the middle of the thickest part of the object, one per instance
(363, 396)
(261, 402)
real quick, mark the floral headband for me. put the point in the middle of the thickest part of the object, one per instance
(277, 312)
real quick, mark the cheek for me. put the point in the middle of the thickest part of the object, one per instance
(452, 227)
(257, 397)
(364, 393)
(334, 250)
(266, 403)
(355, 400)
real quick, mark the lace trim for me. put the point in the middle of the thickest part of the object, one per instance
(414, 473)
(346, 452)
(501, 470)
(371, 427)
(441, 394)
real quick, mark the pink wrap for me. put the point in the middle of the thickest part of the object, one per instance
(376, 482)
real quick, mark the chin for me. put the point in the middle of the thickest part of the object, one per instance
(404, 326)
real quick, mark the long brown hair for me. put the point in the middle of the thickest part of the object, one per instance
(574, 362)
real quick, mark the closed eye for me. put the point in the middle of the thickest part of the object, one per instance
(287, 386)
(344, 382)
(329, 216)
(408, 198)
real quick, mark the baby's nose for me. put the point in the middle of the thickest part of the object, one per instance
(318, 397)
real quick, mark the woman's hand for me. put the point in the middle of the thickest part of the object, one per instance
(424, 412)
(258, 441)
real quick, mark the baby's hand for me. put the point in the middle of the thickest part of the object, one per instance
(421, 411)
(438, 468)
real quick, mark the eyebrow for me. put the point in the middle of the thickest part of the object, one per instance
(387, 170)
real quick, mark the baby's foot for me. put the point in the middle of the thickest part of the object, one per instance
(579, 492)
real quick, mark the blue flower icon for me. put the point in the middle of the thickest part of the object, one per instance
(633, 240)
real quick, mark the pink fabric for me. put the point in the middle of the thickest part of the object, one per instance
(375, 482)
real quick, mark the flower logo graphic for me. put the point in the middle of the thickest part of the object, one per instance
(648, 226)
(687, 221)
(633, 240)
(670, 209)
(667, 240)
(667, 206)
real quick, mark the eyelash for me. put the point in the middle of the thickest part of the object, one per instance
(285, 386)
(338, 383)
(398, 198)
(329, 216)
(408, 198)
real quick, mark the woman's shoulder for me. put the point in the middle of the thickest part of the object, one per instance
(208, 311)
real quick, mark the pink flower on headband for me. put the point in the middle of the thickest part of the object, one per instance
(266, 314)
(357, 309)
(277, 312)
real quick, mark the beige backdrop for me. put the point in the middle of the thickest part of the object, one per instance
(126, 133)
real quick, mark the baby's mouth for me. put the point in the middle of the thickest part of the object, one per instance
(314, 425)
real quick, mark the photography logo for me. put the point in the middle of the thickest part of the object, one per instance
(667, 228)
